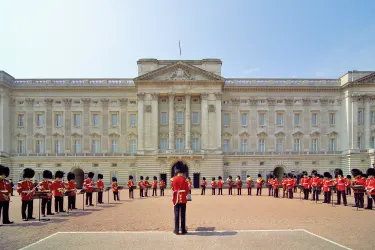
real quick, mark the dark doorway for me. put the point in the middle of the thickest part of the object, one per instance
(174, 171)
(79, 177)
(164, 178)
(196, 180)
(279, 172)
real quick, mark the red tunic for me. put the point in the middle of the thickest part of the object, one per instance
(140, 184)
(359, 181)
(340, 183)
(130, 183)
(57, 187)
(203, 183)
(326, 185)
(283, 182)
(71, 185)
(270, 182)
(289, 183)
(348, 183)
(294, 182)
(249, 183)
(45, 186)
(230, 183)
(220, 184)
(100, 185)
(147, 184)
(238, 184)
(315, 181)
(370, 185)
(276, 183)
(162, 184)
(87, 184)
(213, 184)
(114, 187)
(180, 189)
(25, 186)
(260, 182)
(6, 190)
(154, 184)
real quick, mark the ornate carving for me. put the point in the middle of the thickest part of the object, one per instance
(196, 135)
(171, 96)
(67, 101)
(211, 108)
(204, 96)
(297, 134)
(49, 102)
(114, 135)
(280, 134)
(271, 101)
(315, 134)
(323, 101)
(39, 135)
(218, 96)
(155, 96)
(30, 101)
(235, 101)
(253, 101)
(306, 101)
(180, 74)
(94, 134)
(104, 101)
(76, 135)
(227, 134)
(57, 135)
(123, 101)
(262, 134)
(163, 135)
(357, 97)
(288, 101)
(141, 96)
(86, 101)
(339, 100)
(244, 134)
(332, 134)
(132, 136)
(148, 108)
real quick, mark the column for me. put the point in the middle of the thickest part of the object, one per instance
(30, 126)
(354, 124)
(86, 125)
(68, 124)
(105, 124)
(218, 120)
(49, 124)
(171, 120)
(204, 111)
(187, 121)
(123, 115)
(141, 124)
(155, 120)
(367, 122)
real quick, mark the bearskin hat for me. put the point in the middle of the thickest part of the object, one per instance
(100, 176)
(338, 172)
(91, 175)
(239, 177)
(370, 171)
(213, 178)
(204, 178)
(59, 174)
(47, 174)
(259, 175)
(180, 167)
(28, 173)
(220, 178)
(230, 177)
(285, 175)
(314, 172)
(188, 178)
(147, 178)
(71, 176)
(304, 173)
(326, 174)
(355, 172)
(271, 176)
(276, 176)
(290, 175)
(4, 170)
(349, 177)
(364, 175)
(130, 177)
(248, 176)
(155, 178)
(114, 179)
(141, 178)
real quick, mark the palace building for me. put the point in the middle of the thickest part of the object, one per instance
(186, 111)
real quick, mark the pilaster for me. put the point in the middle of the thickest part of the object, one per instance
(204, 111)
(105, 125)
(86, 125)
(30, 125)
(219, 123)
(171, 120)
(367, 122)
(140, 124)
(188, 121)
(68, 124)
(123, 115)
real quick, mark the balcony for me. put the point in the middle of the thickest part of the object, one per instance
(180, 152)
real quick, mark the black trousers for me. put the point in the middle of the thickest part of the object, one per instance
(59, 204)
(146, 192)
(48, 202)
(162, 192)
(270, 191)
(306, 193)
(154, 192)
(248, 191)
(89, 198)
(348, 191)
(203, 192)
(115, 196)
(213, 191)
(315, 195)
(290, 190)
(220, 191)
(327, 197)
(295, 189)
(230, 191)
(72, 202)
(30, 206)
(4, 208)
(131, 193)
(180, 211)
(370, 201)
(141, 193)
(276, 193)
(239, 191)
(339, 194)
(285, 193)
(100, 197)
(359, 199)
(259, 191)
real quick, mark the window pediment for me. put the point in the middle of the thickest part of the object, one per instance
(262, 134)
(114, 135)
(95, 134)
(39, 135)
(332, 134)
(244, 135)
(298, 134)
(76, 135)
(280, 134)
(315, 134)
(20, 135)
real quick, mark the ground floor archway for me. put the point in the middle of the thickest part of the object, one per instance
(80, 175)
(279, 172)
(173, 169)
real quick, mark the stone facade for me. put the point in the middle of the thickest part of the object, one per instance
(186, 111)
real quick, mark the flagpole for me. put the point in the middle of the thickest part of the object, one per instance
(179, 46)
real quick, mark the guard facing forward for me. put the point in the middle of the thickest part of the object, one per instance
(27, 190)
(45, 185)
(5, 188)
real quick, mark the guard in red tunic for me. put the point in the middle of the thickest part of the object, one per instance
(27, 190)
(146, 185)
(270, 185)
(213, 186)
(295, 183)
(276, 187)
(131, 187)
(162, 186)
(340, 182)
(239, 185)
(327, 182)
(45, 185)
(180, 190)
(289, 185)
(5, 193)
(358, 181)
(315, 184)
(230, 185)
(100, 185)
(115, 189)
(141, 186)
(220, 184)
(155, 186)
(58, 189)
(305, 183)
(284, 182)
(190, 184)
(249, 183)
(348, 185)
(260, 183)
(203, 186)
(88, 185)
(370, 187)
(71, 186)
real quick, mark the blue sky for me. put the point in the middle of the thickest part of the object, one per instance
(90, 39)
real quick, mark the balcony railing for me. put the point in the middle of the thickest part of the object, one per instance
(73, 82)
(180, 151)
(282, 82)
(72, 154)
(282, 153)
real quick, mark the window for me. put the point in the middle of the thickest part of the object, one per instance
(261, 163)
(58, 146)
(180, 118)
(77, 146)
(372, 117)
(114, 102)
(372, 142)
(314, 144)
(261, 145)
(261, 119)
(360, 117)
(179, 143)
(195, 118)
(163, 144)
(39, 120)
(95, 146)
(59, 120)
(297, 144)
(133, 146)
(77, 120)
(243, 119)
(133, 102)
(297, 119)
(163, 118)
(21, 120)
(279, 101)
(314, 119)
(243, 145)
(133, 120)
(261, 101)
(114, 165)
(114, 120)
(279, 119)
(243, 101)
(20, 146)
(39, 146)
(359, 142)
(297, 102)
(226, 120)
(332, 119)
(279, 145)
(77, 102)
(21, 165)
(95, 165)
(331, 144)
(226, 146)
(195, 144)
(114, 146)
(96, 120)
(315, 102)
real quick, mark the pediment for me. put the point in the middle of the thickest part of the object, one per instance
(20, 135)
(315, 134)
(114, 135)
(332, 134)
(95, 134)
(57, 134)
(179, 71)
(366, 79)
(262, 134)
(280, 134)
(244, 134)
(298, 133)
(227, 134)
(75, 134)
(40, 135)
